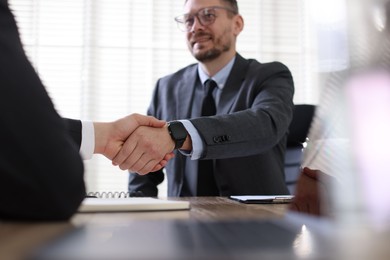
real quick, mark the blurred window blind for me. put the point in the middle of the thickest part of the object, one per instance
(100, 59)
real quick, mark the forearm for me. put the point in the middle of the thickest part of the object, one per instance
(102, 136)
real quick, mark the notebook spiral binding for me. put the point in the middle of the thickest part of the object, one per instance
(109, 194)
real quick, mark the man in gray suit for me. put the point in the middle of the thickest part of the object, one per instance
(244, 140)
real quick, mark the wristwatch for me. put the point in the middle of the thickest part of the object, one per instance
(178, 133)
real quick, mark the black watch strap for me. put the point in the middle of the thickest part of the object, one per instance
(178, 133)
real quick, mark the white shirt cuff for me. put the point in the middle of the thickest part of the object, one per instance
(87, 146)
(197, 143)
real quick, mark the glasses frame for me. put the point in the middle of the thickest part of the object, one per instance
(183, 19)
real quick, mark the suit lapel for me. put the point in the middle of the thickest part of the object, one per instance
(186, 92)
(233, 84)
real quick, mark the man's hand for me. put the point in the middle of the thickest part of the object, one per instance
(312, 193)
(145, 148)
(110, 137)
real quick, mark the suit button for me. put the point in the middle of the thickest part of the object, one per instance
(217, 139)
(221, 138)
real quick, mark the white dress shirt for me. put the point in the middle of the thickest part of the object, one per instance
(87, 146)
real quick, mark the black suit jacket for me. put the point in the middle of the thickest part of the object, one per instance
(41, 171)
(246, 139)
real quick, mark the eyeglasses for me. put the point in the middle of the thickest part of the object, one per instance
(206, 16)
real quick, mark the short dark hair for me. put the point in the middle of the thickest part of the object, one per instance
(232, 3)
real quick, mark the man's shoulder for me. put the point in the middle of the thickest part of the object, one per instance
(260, 70)
(273, 65)
(181, 73)
(253, 66)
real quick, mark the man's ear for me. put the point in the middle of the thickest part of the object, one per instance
(238, 25)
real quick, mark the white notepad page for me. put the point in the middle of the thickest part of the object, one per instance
(131, 204)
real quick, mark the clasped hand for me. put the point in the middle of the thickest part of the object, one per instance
(136, 142)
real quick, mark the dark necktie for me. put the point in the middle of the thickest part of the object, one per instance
(206, 180)
(208, 105)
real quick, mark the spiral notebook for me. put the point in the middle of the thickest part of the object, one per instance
(130, 204)
(109, 194)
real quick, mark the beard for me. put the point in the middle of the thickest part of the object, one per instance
(209, 55)
(213, 53)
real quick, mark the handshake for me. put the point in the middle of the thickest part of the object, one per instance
(136, 142)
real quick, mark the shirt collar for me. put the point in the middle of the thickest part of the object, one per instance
(221, 77)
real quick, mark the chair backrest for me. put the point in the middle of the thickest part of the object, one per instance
(298, 130)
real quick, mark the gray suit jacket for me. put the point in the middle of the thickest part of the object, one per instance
(246, 139)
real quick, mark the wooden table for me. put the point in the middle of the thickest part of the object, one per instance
(18, 239)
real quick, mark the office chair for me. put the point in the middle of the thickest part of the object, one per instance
(298, 130)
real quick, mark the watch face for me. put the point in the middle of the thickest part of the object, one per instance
(178, 130)
(178, 133)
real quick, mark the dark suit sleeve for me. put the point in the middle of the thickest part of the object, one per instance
(41, 171)
(145, 185)
(257, 126)
(74, 130)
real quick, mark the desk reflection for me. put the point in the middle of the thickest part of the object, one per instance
(179, 239)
